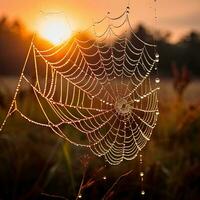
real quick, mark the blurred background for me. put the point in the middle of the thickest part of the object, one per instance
(35, 164)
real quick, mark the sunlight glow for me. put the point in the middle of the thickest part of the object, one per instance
(54, 28)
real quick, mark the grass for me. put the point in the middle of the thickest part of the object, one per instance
(36, 164)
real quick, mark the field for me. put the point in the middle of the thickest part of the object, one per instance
(36, 164)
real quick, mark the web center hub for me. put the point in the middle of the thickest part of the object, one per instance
(123, 107)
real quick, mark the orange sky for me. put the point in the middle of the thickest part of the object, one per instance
(177, 16)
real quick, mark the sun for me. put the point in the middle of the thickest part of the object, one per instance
(54, 28)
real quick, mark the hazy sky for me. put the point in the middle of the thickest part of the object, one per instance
(177, 16)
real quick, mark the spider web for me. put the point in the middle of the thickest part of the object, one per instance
(95, 92)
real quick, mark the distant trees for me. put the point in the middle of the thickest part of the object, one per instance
(14, 42)
(190, 47)
(13, 46)
(185, 53)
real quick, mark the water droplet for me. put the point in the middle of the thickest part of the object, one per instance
(157, 55)
(157, 113)
(79, 196)
(104, 178)
(142, 192)
(141, 174)
(157, 80)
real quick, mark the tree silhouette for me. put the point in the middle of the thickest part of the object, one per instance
(14, 44)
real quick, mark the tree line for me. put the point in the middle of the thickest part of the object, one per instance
(15, 40)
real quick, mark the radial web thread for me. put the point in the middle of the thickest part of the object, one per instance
(99, 85)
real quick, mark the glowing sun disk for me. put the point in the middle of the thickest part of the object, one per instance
(55, 29)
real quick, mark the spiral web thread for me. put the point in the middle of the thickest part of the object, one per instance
(101, 86)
